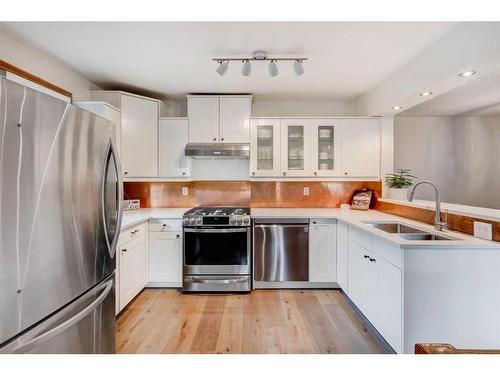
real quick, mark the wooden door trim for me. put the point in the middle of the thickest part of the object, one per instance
(33, 78)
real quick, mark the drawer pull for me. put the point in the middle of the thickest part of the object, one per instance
(124, 250)
(372, 260)
(134, 231)
(178, 236)
(366, 256)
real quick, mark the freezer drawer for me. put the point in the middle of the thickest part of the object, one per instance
(85, 326)
(281, 251)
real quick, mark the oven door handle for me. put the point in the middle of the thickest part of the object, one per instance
(221, 230)
(193, 280)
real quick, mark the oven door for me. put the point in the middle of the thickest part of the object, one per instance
(213, 251)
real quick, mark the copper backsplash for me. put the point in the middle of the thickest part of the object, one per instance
(245, 193)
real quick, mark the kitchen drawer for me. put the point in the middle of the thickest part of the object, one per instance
(388, 251)
(132, 233)
(165, 225)
(360, 237)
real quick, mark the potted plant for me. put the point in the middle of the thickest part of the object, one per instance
(398, 184)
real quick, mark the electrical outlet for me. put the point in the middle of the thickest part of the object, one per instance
(131, 204)
(483, 230)
(185, 191)
(306, 190)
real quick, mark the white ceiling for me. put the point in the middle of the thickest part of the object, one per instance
(479, 97)
(171, 59)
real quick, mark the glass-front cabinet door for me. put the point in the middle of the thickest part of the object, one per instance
(264, 147)
(325, 147)
(295, 147)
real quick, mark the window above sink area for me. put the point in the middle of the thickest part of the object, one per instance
(408, 232)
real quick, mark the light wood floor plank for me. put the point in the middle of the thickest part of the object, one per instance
(264, 321)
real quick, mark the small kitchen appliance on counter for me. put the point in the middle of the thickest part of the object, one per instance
(217, 243)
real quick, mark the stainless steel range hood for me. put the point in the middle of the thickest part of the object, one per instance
(218, 150)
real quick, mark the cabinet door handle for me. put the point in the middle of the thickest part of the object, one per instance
(253, 173)
(315, 173)
(178, 236)
(222, 139)
(183, 173)
(346, 173)
(125, 173)
(372, 260)
(284, 173)
(215, 139)
(366, 256)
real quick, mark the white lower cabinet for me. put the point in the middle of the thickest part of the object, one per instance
(389, 295)
(132, 252)
(342, 253)
(322, 251)
(362, 280)
(374, 280)
(165, 259)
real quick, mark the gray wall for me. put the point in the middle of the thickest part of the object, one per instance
(460, 154)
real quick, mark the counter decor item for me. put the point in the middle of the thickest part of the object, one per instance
(361, 199)
(399, 183)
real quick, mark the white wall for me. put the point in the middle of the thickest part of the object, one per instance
(267, 107)
(24, 55)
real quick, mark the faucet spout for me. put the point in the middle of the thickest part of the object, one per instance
(438, 224)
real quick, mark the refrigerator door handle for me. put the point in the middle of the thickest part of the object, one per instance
(67, 323)
(111, 153)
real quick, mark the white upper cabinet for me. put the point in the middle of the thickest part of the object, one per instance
(137, 133)
(322, 251)
(139, 137)
(265, 154)
(234, 117)
(295, 147)
(214, 119)
(325, 147)
(203, 114)
(173, 134)
(360, 147)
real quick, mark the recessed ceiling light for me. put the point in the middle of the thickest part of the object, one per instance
(467, 73)
(426, 93)
(397, 107)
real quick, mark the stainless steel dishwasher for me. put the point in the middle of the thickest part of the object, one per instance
(281, 250)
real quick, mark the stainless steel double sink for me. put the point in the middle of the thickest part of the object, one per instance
(408, 232)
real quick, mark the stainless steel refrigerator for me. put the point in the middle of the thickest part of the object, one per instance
(60, 215)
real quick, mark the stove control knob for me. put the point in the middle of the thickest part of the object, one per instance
(185, 221)
(238, 221)
(232, 221)
(191, 220)
(198, 220)
(246, 221)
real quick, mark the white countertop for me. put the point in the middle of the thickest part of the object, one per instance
(352, 217)
(134, 217)
(357, 218)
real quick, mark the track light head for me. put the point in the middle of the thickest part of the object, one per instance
(222, 68)
(247, 68)
(273, 68)
(298, 68)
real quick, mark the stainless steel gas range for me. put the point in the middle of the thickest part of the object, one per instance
(217, 249)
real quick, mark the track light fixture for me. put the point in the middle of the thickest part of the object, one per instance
(298, 68)
(222, 68)
(273, 69)
(246, 70)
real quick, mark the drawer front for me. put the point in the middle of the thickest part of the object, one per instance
(388, 251)
(165, 225)
(133, 232)
(360, 237)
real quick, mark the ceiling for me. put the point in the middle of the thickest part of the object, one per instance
(479, 97)
(170, 59)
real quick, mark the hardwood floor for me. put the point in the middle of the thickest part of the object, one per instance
(264, 321)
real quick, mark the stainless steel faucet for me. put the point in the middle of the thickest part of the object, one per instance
(438, 224)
